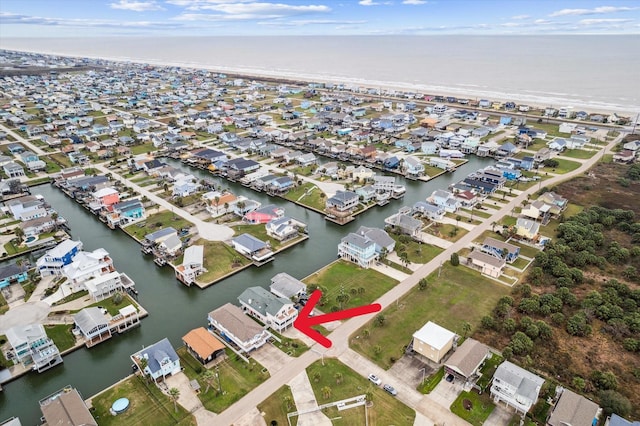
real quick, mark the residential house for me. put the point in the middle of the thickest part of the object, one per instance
(384, 243)
(515, 386)
(625, 156)
(616, 420)
(35, 227)
(275, 312)
(185, 186)
(486, 263)
(343, 201)
(31, 346)
(264, 214)
(362, 174)
(171, 246)
(32, 161)
(12, 273)
(557, 202)
(433, 341)
(573, 409)
(93, 325)
(428, 210)
(125, 212)
(286, 286)
(105, 197)
(467, 359)
(203, 345)
(103, 286)
(526, 228)
(161, 359)
(87, 265)
(13, 170)
(542, 154)
(251, 247)
(52, 262)
(282, 229)
(192, 264)
(405, 224)
(366, 193)
(66, 407)
(159, 236)
(506, 150)
(500, 249)
(538, 210)
(237, 328)
(632, 145)
(384, 183)
(413, 166)
(444, 199)
(358, 249)
(467, 198)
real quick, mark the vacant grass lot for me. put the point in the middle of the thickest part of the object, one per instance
(579, 153)
(481, 407)
(315, 199)
(276, 407)
(418, 252)
(148, 406)
(219, 260)
(386, 409)
(163, 218)
(237, 378)
(344, 276)
(61, 336)
(564, 166)
(458, 295)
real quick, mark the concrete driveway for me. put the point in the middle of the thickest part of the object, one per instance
(305, 399)
(500, 416)
(27, 313)
(271, 358)
(408, 370)
(445, 393)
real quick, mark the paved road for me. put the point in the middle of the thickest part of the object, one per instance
(208, 231)
(22, 140)
(428, 408)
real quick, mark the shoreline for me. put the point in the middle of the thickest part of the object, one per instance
(533, 99)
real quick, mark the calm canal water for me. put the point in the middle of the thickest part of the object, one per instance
(91, 370)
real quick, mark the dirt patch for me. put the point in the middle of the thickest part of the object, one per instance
(467, 405)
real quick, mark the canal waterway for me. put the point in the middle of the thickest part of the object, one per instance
(173, 308)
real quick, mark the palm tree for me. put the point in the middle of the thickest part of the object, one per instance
(466, 328)
(338, 377)
(404, 257)
(174, 394)
(458, 217)
(54, 217)
(217, 200)
(226, 207)
(241, 205)
(316, 376)
(326, 392)
(493, 226)
(208, 377)
(18, 233)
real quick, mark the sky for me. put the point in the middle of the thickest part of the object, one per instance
(98, 18)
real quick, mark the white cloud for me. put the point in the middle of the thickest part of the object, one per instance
(304, 22)
(519, 17)
(136, 6)
(414, 2)
(542, 22)
(13, 18)
(264, 8)
(594, 11)
(367, 3)
(603, 21)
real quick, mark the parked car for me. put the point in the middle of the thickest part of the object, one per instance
(450, 378)
(375, 379)
(390, 389)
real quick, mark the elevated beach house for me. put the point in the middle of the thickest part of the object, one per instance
(238, 329)
(161, 360)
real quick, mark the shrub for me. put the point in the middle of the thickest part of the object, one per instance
(612, 402)
(604, 381)
(578, 326)
(455, 259)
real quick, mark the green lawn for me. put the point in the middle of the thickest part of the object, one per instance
(278, 405)
(314, 199)
(292, 347)
(431, 382)
(488, 368)
(458, 295)
(143, 148)
(148, 406)
(564, 166)
(259, 231)
(386, 409)
(61, 159)
(164, 219)
(520, 263)
(219, 260)
(237, 378)
(113, 308)
(3, 305)
(481, 407)
(446, 231)
(61, 336)
(304, 171)
(579, 153)
(418, 252)
(363, 286)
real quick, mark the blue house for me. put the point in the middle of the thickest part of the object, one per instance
(15, 148)
(500, 249)
(28, 156)
(527, 163)
(505, 120)
(58, 257)
(391, 162)
(10, 274)
(511, 174)
(281, 184)
(402, 143)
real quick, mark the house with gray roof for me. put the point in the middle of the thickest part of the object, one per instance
(515, 386)
(251, 247)
(284, 285)
(573, 409)
(159, 236)
(616, 420)
(405, 224)
(343, 201)
(162, 360)
(379, 237)
(358, 249)
(93, 325)
(467, 359)
(32, 347)
(486, 263)
(237, 328)
(275, 312)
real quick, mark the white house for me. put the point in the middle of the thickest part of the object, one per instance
(284, 285)
(275, 312)
(192, 264)
(32, 347)
(162, 360)
(87, 265)
(515, 386)
(358, 249)
(433, 341)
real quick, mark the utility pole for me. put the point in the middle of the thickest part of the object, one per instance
(423, 372)
(219, 385)
(440, 269)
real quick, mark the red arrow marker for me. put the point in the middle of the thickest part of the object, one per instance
(304, 322)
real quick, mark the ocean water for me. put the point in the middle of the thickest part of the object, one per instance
(593, 72)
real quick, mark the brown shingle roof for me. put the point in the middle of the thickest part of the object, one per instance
(202, 342)
(233, 319)
(573, 409)
(466, 359)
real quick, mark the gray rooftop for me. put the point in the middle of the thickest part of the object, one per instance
(262, 300)
(89, 318)
(527, 383)
(287, 285)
